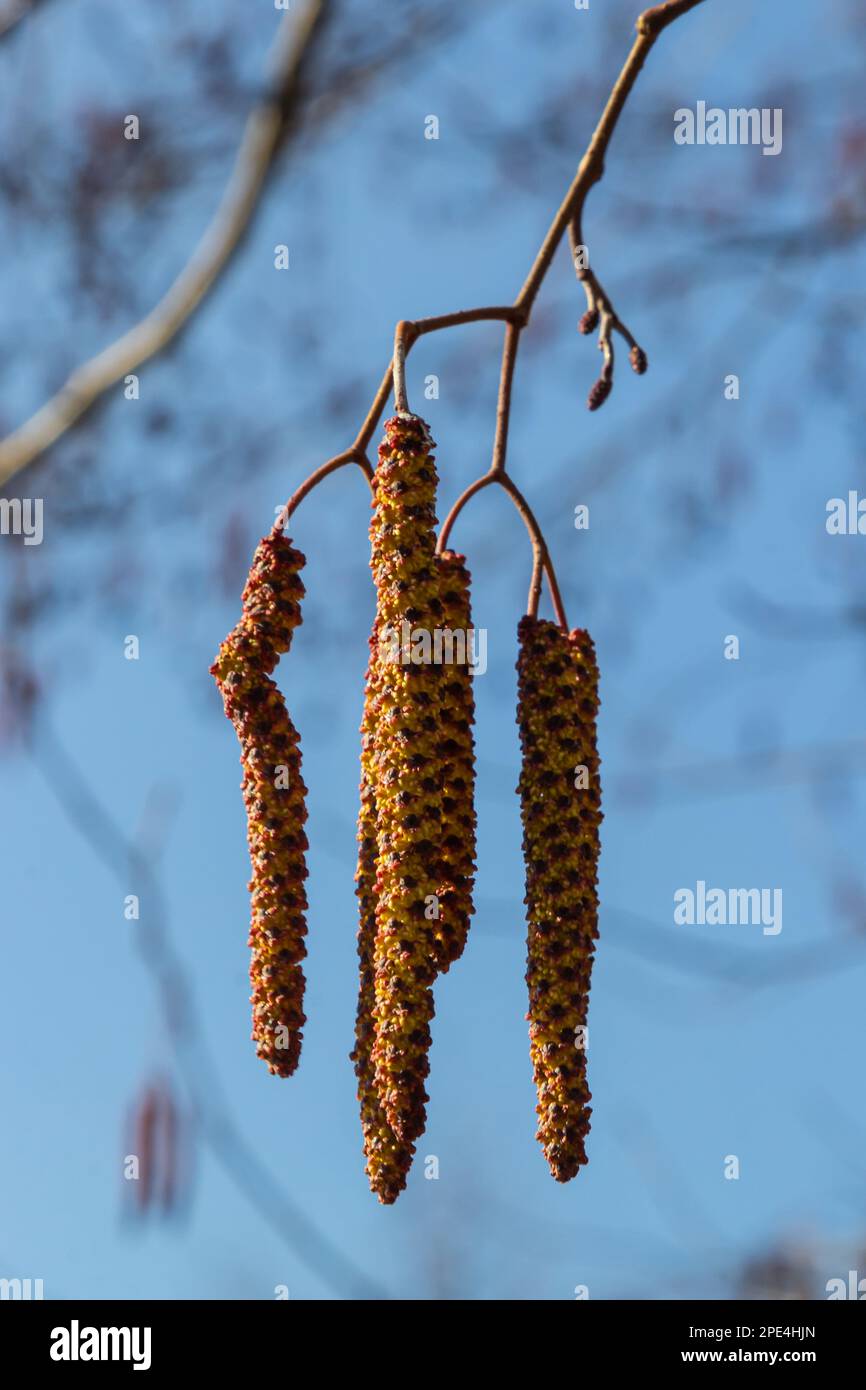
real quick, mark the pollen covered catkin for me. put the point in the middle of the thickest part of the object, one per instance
(274, 795)
(457, 771)
(388, 1159)
(406, 775)
(561, 813)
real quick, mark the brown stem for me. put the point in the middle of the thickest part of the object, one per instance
(541, 561)
(403, 337)
(414, 329)
(374, 414)
(484, 481)
(352, 455)
(503, 403)
(540, 552)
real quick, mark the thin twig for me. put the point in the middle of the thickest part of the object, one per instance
(338, 461)
(601, 314)
(542, 562)
(503, 403)
(402, 342)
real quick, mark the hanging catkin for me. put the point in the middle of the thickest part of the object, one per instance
(457, 768)
(561, 813)
(406, 772)
(274, 795)
(388, 1159)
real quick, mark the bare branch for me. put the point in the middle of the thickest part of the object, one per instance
(13, 12)
(261, 141)
(649, 25)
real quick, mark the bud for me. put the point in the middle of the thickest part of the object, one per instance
(599, 393)
(638, 360)
(457, 768)
(589, 321)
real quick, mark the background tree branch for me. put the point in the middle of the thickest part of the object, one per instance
(263, 136)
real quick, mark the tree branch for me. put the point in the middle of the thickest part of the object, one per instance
(13, 12)
(263, 134)
(649, 25)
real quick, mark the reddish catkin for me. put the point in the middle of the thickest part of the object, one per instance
(274, 795)
(561, 814)
(457, 769)
(405, 771)
(388, 1159)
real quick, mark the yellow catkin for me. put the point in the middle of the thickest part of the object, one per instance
(388, 1158)
(405, 772)
(274, 795)
(557, 713)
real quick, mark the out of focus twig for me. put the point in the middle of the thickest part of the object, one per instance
(12, 13)
(264, 132)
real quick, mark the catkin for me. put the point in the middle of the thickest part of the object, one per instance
(452, 699)
(557, 712)
(405, 774)
(274, 795)
(388, 1159)
(457, 770)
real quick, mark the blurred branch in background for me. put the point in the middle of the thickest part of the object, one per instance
(265, 131)
(12, 13)
(292, 99)
(238, 1159)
